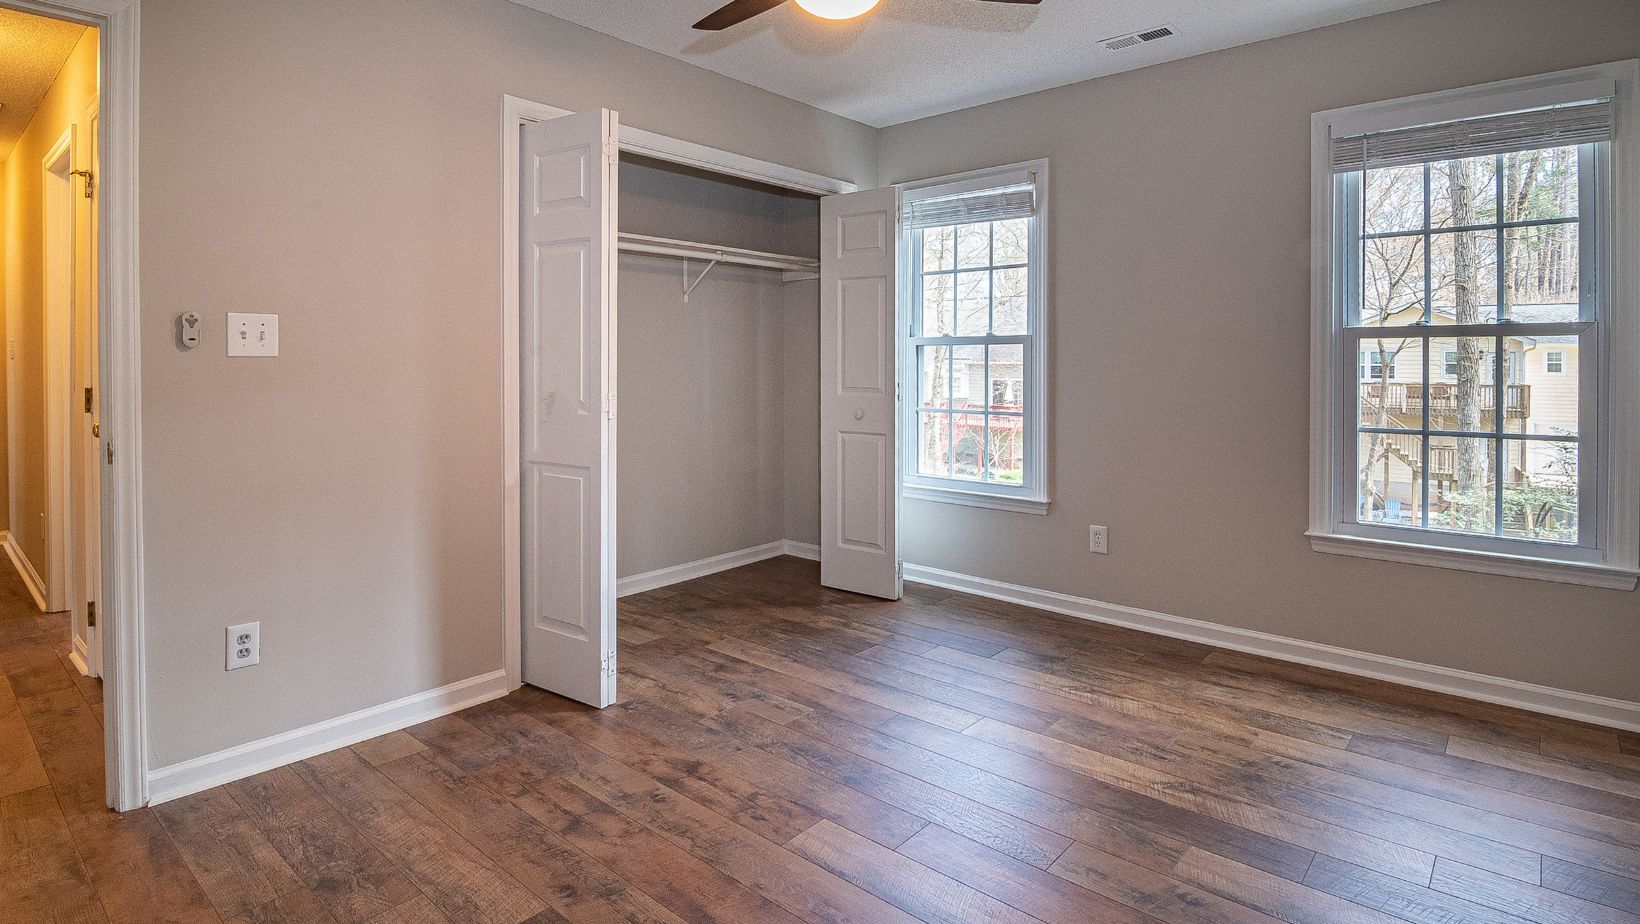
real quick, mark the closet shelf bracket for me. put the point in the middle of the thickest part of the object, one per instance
(690, 286)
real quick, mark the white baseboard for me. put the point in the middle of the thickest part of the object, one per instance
(1568, 704)
(689, 570)
(200, 773)
(806, 550)
(25, 569)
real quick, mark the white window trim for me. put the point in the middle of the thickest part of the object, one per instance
(1032, 499)
(1612, 559)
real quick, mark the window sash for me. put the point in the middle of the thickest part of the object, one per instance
(1348, 240)
(1030, 415)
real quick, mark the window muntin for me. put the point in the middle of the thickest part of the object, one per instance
(1496, 246)
(973, 431)
(1554, 362)
(971, 313)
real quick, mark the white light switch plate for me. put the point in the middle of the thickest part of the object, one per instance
(253, 334)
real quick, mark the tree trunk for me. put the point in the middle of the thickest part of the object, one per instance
(1470, 472)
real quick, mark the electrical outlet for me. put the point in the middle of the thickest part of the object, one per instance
(244, 645)
(1098, 540)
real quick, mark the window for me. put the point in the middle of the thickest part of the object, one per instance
(973, 350)
(1463, 231)
(1372, 366)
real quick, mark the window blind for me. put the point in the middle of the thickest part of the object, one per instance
(1000, 204)
(1560, 126)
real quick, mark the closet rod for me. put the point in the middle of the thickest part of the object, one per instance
(667, 247)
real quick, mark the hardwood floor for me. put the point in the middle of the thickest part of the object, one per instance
(785, 753)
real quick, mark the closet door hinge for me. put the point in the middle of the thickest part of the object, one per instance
(612, 153)
(609, 663)
(91, 613)
(88, 399)
(610, 406)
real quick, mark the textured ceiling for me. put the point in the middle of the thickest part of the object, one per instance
(32, 51)
(913, 58)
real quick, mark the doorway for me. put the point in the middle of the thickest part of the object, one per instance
(71, 502)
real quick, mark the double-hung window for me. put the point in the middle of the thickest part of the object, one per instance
(973, 348)
(1463, 232)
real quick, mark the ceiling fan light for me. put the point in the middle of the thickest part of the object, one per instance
(838, 9)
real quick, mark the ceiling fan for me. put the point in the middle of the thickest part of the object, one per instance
(736, 12)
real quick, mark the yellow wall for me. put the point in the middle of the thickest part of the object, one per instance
(64, 107)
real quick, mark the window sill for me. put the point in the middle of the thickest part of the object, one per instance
(1521, 566)
(975, 499)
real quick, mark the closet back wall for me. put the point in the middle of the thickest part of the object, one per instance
(703, 385)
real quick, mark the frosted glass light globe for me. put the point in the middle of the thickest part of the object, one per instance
(837, 9)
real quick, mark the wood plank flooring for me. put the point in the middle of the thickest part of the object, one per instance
(784, 753)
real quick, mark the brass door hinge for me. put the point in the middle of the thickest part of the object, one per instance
(91, 612)
(88, 399)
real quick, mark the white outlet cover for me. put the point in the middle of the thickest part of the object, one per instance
(244, 645)
(253, 334)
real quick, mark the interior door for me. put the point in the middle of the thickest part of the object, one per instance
(567, 432)
(86, 440)
(859, 468)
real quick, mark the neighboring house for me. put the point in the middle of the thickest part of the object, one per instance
(1540, 388)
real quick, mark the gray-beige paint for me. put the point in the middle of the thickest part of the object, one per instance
(1180, 338)
(337, 163)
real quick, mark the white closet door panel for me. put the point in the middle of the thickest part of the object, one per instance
(567, 333)
(859, 471)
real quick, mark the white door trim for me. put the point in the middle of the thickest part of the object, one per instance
(515, 112)
(124, 679)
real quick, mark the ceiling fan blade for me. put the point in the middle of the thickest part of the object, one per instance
(734, 13)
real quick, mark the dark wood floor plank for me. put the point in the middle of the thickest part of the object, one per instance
(1143, 829)
(42, 877)
(887, 697)
(297, 907)
(139, 873)
(1313, 768)
(786, 753)
(999, 830)
(793, 884)
(1407, 901)
(234, 863)
(1565, 771)
(459, 879)
(1370, 852)
(1272, 895)
(1040, 894)
(825, 798)
(930, 896)
(353, 879)
(20, 766)
(1227, 768)
(1534, 903)
(1508, 779)
(1157, 894)
(575, 885)
(1592, 885)
(1154, 702)
(387, 748)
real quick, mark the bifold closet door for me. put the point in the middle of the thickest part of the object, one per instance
(859, 466)
(567, 432)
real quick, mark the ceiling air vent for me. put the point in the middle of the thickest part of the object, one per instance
(1137, 38)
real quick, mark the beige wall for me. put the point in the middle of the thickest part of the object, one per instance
(704, 437)
(63, 107)
(338, 163)
(1180, 324)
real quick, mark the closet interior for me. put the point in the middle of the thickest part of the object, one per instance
(718, 300)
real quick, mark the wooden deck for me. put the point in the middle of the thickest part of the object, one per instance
(785, 753)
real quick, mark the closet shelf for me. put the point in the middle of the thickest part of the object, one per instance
(666, 247)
